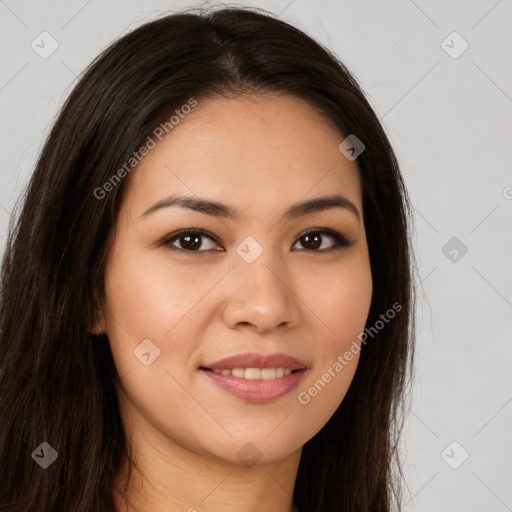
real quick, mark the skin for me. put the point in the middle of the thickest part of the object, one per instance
(201, 306)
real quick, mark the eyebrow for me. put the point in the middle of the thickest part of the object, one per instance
(221, 210)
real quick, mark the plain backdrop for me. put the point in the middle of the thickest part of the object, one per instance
(445, 101)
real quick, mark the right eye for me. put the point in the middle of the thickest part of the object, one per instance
(189, 240)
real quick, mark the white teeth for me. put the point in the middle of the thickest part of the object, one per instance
(268, 373)
(252, 373)
(257, 373)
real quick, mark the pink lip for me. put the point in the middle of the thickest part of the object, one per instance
(259, 390)
(254, 360)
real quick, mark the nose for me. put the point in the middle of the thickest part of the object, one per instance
(260, 297)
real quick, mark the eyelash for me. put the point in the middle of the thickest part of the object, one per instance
(340, 242)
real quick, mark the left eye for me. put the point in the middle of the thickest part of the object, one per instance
(313, 237)
(191, 240)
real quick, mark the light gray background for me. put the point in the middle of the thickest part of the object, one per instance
(450, 124)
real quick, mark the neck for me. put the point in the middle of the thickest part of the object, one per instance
(168, 477)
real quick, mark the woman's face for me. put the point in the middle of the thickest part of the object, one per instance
(250, 283)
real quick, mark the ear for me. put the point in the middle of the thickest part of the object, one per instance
(99, 326)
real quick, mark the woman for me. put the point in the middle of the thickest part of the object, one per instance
(206, 297)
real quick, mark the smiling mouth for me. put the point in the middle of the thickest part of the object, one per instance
(254, 373)
(256, 385)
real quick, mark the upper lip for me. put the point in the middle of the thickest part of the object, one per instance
(254, 360)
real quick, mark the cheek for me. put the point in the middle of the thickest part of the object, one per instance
(339, 298)
(149, 301)
(341, 303)
(150, 296)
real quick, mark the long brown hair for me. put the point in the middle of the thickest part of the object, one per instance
(57, 381)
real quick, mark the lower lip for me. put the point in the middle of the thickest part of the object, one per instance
(256, 391)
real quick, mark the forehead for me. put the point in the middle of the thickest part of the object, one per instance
(253, 152)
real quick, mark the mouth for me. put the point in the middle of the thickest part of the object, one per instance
(256, 378)
(255, 373)
(255, 385)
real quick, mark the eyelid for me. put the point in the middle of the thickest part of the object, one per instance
(182, 232)
(340, 241)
